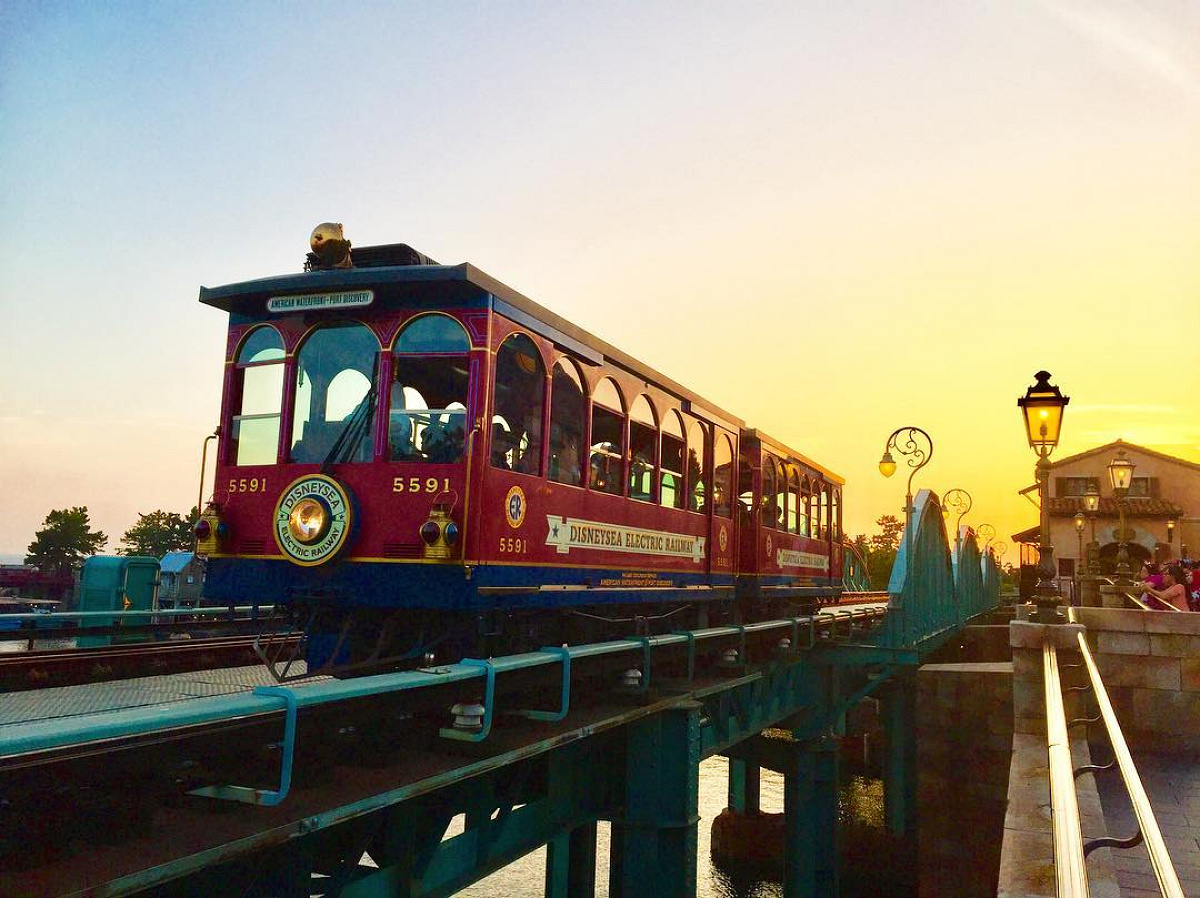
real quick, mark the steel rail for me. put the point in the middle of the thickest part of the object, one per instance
(1156, 847)
(1070, 867)
(199, 611)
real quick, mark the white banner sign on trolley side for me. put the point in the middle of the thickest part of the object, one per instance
(791, 558)
(572, 533)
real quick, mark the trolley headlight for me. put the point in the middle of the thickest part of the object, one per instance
(308, 521)
(451, 533)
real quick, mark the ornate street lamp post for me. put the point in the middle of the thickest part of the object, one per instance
(915, 445)
(959, 501)
(1080, 523)
(1091, 504)
(1120, 475)
(987, 533)
(1042, 407)
(1171, 535)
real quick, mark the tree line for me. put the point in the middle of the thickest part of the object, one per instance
(67, 538)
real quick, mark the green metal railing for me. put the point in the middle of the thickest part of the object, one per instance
(933, 594)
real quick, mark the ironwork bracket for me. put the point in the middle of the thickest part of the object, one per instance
(564, 653)
(1109, 842)
(265, 797)
(1093, 768)
(1084, 720)
(691, 650)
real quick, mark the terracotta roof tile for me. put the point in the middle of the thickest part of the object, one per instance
(1139, 507)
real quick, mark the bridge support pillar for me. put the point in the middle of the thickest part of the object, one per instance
(900, 764)
(571, 863)
(810, 809)
(743, 787)
(653, 850)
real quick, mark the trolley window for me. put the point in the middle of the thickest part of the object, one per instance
(807, 509)
(745, 489)
(608, 438)
(517, 406)
(567, 414)
(723, 477)
(258, 398)
(427, 412)
(769, 500)
(671, 487)
(697, 472)
(835, 515)
(334, 373)
(793, 500)
(643, 437)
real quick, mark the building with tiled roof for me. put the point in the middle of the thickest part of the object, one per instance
(1165, 490)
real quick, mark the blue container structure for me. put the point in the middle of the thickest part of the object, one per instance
(117, 583)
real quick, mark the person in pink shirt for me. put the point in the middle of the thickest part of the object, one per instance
(1173, 593)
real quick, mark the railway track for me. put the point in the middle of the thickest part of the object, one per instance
(41, 669)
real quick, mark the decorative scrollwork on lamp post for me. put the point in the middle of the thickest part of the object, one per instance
(1042, 408)
(985, 533)
(916, 447)
(998, 548)
(956, 501)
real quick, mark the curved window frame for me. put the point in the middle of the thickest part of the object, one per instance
(676, 431)
(451, 447)
(806, 507)
(770, 496)
(723, 496)
(699, 492)
(530, 461)
(646, 436)
(824, 505)
(793, 499)
(612, 482)
(574, 373)
(835, 513)
(298, 371)
(254, 368)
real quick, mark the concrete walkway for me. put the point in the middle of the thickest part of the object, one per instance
(1173, 785)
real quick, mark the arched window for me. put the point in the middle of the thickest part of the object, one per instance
(427, 420)
(257, 398)
(517, 404)
(770, 501)
(671, 489)
(723, 477)
(835, 514)
(608, 438)
(643, 437)
(335, 398)
(697, 441)
(793, 500)
(824, 528)
(806, 507)
(567, 414)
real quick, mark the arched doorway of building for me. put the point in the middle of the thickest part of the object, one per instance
(1138, 555)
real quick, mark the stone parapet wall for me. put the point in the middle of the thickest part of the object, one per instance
(1150, 664)
(964, 741)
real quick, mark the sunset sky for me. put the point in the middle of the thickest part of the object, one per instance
(830, 219)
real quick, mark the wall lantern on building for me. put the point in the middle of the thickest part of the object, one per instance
(1170, 531)
(1042, 409)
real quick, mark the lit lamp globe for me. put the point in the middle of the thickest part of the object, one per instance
(1080, 521)
(1091, 500)
(1120, 474)
(887, 465)
(1042, 407)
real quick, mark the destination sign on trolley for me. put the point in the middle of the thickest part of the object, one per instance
(309, 301)
(791, 558)
(572, 533)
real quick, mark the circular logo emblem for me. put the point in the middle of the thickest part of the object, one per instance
(514, 507)
(723, 538)
(312, 520)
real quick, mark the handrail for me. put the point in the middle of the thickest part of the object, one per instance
(1070, 867)
(1160, 859)
(1132, 596)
